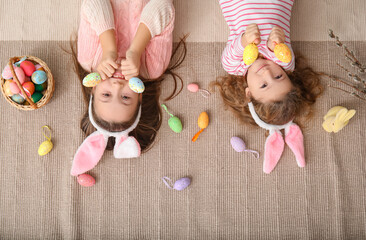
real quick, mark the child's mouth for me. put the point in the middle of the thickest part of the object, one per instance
(119, 75)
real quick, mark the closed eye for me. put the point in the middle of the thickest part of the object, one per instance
(106, 95)
(278, 77)
(125, 97)
(264, 85)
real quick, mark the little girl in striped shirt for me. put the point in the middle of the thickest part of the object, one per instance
(269, 93)
(122, 39)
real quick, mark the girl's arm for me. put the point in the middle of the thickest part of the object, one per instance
(108, 65)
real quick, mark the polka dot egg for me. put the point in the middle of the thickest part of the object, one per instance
(92, 79)
(136, 85)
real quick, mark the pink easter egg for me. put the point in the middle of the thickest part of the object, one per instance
(28, 68)
(6, 74)
(39, 67)
(193, 87)
(238, 144)
(14, 88)
(86, 180)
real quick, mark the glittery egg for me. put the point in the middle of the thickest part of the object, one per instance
(250, 54)
(39, 77)
(203, 120)
(7, 74)
(92, 79)
(36, 96)
(40, 87)
(28, 68)
(86, 180)
(283, 53)
(193, 87)
(238, 144)
(28, 88)
(7, 88)
(45, 148)
(136, 85)
(14, 87)
(17, 98)
(175, 124)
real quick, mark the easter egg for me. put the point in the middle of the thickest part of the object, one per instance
(36, 96)
(136, 85)
(182, 183)
(45, 148)
(193, 87)
(175, 124)
(7, 88)
(28, 88)
(39, 67)
(17, 98)
(6, 74)
(283, 53)
(238, 144)
(250, 54)
(39, 77)
(203, 120)
(14, 88)
(86, 180)
(28, 68)
(40, 87)
(92, 79)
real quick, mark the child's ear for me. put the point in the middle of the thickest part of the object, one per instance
(247, 93)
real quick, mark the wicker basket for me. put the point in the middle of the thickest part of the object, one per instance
(47, 94)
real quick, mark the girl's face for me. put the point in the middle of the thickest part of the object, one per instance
(114, 101)
(267, 81)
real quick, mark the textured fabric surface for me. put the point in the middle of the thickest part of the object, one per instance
(229, 197)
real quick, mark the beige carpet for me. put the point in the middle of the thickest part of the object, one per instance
(229, 198)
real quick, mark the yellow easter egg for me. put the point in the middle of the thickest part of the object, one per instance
(203, 120)
(45, 148)
(283, 53)
(250, 54)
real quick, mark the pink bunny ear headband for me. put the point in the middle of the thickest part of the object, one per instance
(275, 144)
(91, 150)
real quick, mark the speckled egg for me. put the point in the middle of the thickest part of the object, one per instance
(40, 87)
(39, 77)
(92, 79)
(45, 148)
(86, 180)
(36, 96)
(250, 54)
(136, 85)
(283, 53)
(193, 87)
(14, 88)
(6, 74)
(238, 144)
(28, 68)
(7, 88)
(17, 98)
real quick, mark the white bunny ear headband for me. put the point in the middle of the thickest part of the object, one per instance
(275, 144)
(91, 150)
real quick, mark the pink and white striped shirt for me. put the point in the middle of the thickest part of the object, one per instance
(266, 14)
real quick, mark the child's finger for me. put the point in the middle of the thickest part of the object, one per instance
(112, 63)
(102, 75)
(109, 70)
(130, 72)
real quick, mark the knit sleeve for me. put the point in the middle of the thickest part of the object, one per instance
(232, 58)
(156, 15)
(99, 13)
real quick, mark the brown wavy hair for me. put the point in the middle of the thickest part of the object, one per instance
(297, 104)
(151, 114)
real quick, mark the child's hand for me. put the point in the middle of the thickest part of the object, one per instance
(107, 65)
(251, 35)
(277, 36)
(131, 65)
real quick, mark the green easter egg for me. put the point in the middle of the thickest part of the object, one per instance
(175, 124)
(40, 87)
(36, 96)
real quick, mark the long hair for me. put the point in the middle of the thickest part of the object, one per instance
(296, 105)
(151, 114)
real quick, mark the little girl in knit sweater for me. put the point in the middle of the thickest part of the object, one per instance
(268, 93)
(122, 39)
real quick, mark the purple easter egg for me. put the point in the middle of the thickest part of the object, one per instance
(86, 180)
(182, 183)
(238, 144)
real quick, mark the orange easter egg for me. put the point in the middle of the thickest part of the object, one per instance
(203, 120)
(283, 53)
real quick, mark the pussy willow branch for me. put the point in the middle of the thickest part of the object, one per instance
(351, 93)
(333, 78)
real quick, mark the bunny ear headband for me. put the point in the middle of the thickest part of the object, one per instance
(275, 144)
(91, 150)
